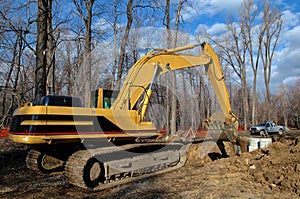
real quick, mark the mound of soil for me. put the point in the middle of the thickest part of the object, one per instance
(274, 169)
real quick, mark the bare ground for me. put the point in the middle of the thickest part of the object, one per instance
(272, 172)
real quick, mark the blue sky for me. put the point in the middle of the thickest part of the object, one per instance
(212, 14)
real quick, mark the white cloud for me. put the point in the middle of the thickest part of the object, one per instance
(196, 8)
(288, 62)
(217, 28)
(214, 7)
(291, 80)
(226, 5)
(290, 18)
(101, 25)
(190, 12)
(292, 38)
(286, 58)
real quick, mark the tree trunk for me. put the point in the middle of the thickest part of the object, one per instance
(41, 49)
(170, 122)
(50, 53)
(168, 24)
(112, 85)
(88, 40)
(272, 24)
(245, 101)
(20, 50)
(254, 100)
(173, 73)
(86, 86)
(124, 43)
(8, 77)
(248, 16)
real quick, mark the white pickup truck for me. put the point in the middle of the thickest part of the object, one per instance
(266, 128)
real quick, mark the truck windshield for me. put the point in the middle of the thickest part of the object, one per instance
(262, 124)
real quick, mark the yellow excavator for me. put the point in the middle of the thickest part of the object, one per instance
(110, 142)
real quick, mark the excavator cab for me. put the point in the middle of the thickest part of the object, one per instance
(103, 98)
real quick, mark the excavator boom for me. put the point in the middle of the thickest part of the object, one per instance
(141, 74)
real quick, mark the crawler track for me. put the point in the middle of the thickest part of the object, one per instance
(101, 168)
(43, 163)
(32, 160)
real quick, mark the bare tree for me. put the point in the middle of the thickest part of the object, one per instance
(167, 23)
(41, 48)
(10, 87)
(50, 69)
(85, 11)
(14, 25)
(115, 16)
(172, 43)
(255, 39)
(236, 57)
(174, 98)
(124, 43)
(272, 23)
(253, 44)
(293, 104)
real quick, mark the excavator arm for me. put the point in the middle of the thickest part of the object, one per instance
(214, 72)
(159, 61)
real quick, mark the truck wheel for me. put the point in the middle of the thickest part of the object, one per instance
(280, 132)
(264, 133)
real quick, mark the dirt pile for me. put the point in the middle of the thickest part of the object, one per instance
(276, 167)
(205, 152)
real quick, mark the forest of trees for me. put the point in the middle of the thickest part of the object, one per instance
(72, 47)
